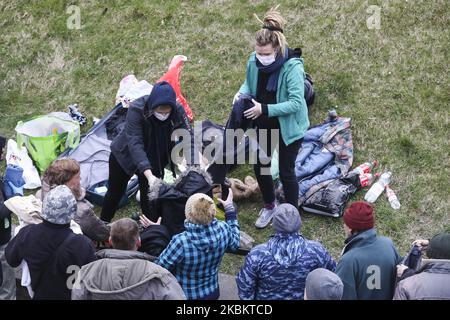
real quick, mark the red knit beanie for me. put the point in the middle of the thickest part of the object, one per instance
(359, 216)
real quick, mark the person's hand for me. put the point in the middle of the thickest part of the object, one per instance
(236, 96)
(255, 112)
(150, 177)
(146, 222)
(182, 167)
(228, 203)
(422, 244)
(400, 269)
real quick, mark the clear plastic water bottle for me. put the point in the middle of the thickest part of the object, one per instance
(366, 167)
(392, 198)
(378, 187)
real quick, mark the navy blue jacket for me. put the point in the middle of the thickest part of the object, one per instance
(37, 245)
(236, 120)
(146, 142)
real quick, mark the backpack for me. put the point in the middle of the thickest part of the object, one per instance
(309, 90)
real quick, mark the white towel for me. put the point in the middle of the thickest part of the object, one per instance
(26, 278)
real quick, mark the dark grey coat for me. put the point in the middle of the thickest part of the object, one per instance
(431, 282)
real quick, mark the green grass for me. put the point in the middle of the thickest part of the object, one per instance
(393, 82)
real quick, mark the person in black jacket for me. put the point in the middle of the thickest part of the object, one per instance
(145, 145)
(52, 251)
(8, 285)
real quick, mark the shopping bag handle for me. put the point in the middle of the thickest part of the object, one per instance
(73, 139)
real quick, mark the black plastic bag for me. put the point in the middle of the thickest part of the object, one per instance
(332, 199)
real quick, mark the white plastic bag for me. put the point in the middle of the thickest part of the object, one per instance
(20, 157)
(125, 84)
(136, 91)
(131, 89)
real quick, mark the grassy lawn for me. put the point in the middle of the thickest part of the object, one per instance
(393, 82)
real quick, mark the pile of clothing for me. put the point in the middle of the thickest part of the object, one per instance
(168, 201)
(322, 165)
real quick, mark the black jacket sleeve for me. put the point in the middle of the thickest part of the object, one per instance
(13, 253)
(406, 274)
(4, 211)
(135, 134)
(85, 250)
(264, 109)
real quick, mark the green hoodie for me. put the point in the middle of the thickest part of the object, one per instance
(368, 267)
(290, 108)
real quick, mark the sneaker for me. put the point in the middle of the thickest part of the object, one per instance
(76, 114)
(265, 216)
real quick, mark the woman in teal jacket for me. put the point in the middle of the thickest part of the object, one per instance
(275, 76)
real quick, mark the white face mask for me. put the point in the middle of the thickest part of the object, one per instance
(266, 60)
(161, 116)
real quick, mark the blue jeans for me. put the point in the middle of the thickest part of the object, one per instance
(8, 288)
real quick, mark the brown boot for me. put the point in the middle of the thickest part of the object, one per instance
(240, 189)
(254, 188)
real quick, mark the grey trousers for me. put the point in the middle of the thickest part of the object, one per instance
(8, 288)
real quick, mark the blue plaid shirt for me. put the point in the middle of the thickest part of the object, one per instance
(194, 255)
